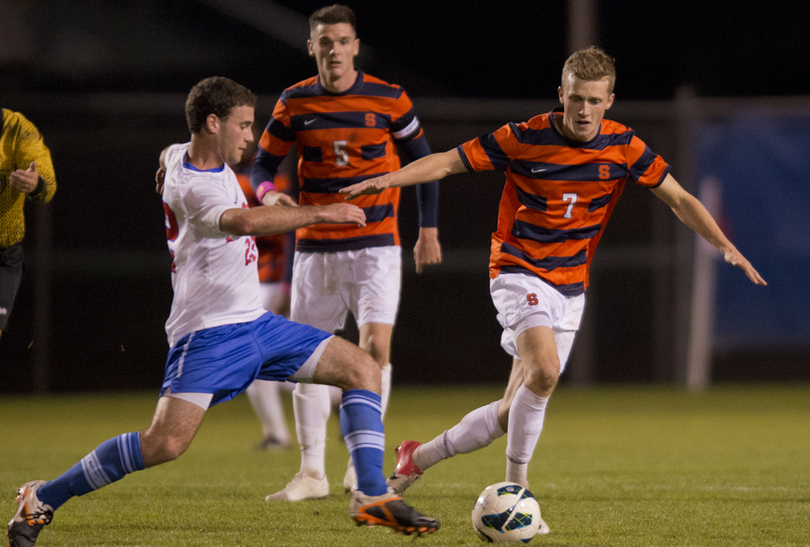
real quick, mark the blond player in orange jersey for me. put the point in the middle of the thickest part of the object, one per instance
(564, 173)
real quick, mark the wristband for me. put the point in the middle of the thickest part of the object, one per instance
(263, 188)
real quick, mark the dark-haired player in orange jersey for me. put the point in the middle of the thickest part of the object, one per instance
(346, 125)
(564, 172)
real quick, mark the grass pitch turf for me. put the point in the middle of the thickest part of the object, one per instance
(615, 466)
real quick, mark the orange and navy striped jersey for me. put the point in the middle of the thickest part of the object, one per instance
(342, 139)
(558, 194)
(275, 263)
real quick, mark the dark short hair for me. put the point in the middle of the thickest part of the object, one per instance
(332, 15)
(215, 95)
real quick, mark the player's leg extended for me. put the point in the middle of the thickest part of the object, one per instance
(475, 431)
(353, 370)
(173, 427)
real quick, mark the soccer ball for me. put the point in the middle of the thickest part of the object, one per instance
(506, 512)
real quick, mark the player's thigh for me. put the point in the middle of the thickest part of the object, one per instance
(375, 282)
(318, 291)
(346, 366)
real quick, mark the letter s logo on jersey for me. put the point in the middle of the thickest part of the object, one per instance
(604, 172)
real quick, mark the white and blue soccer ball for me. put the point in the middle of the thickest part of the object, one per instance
(506, 512)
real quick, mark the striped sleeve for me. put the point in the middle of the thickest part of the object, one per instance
(489, 152)
(645, 166)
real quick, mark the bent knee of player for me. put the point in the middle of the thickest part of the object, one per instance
(362, 372)
(348, 367)
(541, 376)
(377, 343)
(160, 448)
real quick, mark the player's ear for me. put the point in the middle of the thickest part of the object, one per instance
(356, 46)
(560, 93)
(310, 49)
(610, 100)
(212, 123)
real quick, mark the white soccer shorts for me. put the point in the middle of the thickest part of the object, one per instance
(325, 286)
(526, 301)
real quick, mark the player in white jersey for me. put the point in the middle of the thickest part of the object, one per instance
(221, 339)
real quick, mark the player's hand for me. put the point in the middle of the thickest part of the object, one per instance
(341, 213)
(427, 251)
(370, 186)
(25, 180)
(278, 198)
(735, 258)
(160, 177)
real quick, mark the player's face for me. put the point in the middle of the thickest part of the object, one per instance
(584, 104)
(334, 48)
(236, 132)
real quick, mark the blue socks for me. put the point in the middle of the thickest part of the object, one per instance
(361, 424)
(109, 462)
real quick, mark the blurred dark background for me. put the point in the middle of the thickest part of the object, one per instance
(105, 82)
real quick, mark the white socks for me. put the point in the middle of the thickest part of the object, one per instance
(385, 387)
(526, 418)
(476, 430)
(312, 406)
(265, 398)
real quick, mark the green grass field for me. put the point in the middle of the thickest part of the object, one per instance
(619, 466)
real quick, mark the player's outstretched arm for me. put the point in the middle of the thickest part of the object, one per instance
(260, 221)
(691, 212)
(427, 169)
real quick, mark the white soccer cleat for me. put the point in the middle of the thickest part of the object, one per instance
(302, 487)
(350, 478)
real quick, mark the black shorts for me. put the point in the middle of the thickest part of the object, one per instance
(11, 268)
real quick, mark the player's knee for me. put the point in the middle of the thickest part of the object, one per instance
(377, 348)
(159, 449)
(362, 372)
(542, 377)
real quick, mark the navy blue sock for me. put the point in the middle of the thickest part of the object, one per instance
(109, 462)
(361, 424)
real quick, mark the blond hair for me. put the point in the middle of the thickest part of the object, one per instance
(591, 64)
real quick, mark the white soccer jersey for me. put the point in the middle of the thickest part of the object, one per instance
(214, 275)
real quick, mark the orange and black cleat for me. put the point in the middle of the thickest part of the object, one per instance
(389, 510)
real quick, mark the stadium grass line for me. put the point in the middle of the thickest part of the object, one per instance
(616, 466)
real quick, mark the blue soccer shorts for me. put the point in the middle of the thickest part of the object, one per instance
(224, 361)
